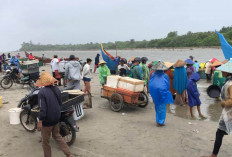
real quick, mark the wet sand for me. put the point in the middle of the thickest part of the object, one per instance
(106, 133)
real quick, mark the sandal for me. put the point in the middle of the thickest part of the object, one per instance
(203, 117)
(194, 118)
(159, 125)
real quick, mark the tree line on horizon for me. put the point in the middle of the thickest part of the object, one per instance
(173, 40)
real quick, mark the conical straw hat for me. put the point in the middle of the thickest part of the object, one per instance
(45, 79)
(217, 63)
(159, 66)
(227, 67)
(102, 62)
(168, 64)
(179, 63)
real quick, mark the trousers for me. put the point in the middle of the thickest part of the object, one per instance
(218, 142)
(46, 134)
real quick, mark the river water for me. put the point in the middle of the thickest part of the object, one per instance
(210, 107)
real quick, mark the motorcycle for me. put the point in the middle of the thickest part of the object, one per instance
(12, 77)
(30, 113)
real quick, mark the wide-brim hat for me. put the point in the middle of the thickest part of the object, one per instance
(217, 63)
(102, 62)
(189, 61)
(159, 66)
(168, 64)
(227, 67)
(179, 63)
(45, 79)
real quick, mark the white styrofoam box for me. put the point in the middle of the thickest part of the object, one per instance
(112, 81)
(131, 84)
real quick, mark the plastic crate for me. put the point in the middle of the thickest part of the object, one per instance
(72, 101)
(30, 71)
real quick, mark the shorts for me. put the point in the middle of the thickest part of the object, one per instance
(86, 79)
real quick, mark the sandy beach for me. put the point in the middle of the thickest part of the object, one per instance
(104, 133)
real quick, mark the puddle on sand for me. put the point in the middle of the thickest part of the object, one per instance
(210, 107)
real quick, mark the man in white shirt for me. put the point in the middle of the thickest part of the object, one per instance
(55, 66)
(122, 68)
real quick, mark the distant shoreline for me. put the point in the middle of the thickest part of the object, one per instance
(163, 48)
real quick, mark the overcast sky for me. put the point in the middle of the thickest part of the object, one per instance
(82, 21)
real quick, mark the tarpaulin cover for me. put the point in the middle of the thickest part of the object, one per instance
(226, 47)
(193, 94)
(180, 79)
(159, 90)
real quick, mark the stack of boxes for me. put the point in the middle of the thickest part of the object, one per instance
(127, 87)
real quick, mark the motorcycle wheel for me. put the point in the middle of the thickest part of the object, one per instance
(6, 83)
(68, 133)
(28, 123)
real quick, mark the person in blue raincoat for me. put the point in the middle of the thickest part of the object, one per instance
(159, 89)
(180, 80)
(194, 95)
(14, 61)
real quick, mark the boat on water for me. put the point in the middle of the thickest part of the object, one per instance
(226, 47)
(109, 59)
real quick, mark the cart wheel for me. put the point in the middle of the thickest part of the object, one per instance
(143, 98)
(116, 102)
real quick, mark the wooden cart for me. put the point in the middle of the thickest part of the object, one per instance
(118, 97)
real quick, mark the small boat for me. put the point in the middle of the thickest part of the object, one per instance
(110, 60)
(226, 47)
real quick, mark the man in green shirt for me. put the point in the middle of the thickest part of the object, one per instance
(145, 70)
(136, 69)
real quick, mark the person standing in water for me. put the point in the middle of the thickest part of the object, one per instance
(159, 90)
(180, 80)
(194, 95)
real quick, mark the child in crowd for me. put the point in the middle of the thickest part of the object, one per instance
(193, 95)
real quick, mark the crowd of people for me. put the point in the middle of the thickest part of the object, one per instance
(166, 82)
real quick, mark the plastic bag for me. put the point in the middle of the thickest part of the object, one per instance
(227, 117)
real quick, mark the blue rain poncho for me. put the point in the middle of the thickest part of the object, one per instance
(159, 89)
(193, 94)
(14, 61)
(180, 79)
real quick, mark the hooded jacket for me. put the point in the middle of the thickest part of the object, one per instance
(103, 73)
(137, 72)
(159, 88)
(193, 94)
(73, 70)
